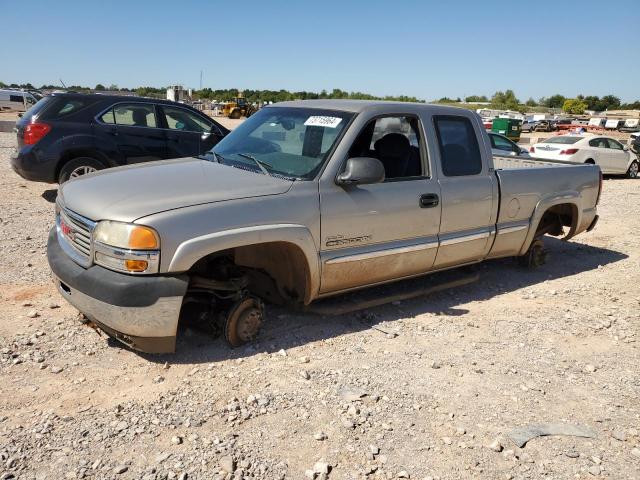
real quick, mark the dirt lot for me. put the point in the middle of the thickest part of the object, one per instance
(423, 389)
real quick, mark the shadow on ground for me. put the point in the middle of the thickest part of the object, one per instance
(50, 195)
(285, 329)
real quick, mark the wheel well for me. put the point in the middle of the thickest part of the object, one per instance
(277, 271)
(71, 154)
(590, 160)
(555, 218)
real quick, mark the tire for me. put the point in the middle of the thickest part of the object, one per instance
(77, 167)
(236, 114)
(632, 172)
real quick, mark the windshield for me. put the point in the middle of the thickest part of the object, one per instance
(563, 140)
(289, 142)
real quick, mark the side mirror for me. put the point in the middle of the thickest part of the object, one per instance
(523, 151)
(362, 171)
(625, 148)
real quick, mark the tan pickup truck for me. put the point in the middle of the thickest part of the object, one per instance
(302, 201)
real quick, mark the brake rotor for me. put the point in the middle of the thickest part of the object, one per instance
(243, 321)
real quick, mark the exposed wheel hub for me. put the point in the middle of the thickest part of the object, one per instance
(243, 321)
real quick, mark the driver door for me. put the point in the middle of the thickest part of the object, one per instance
(385, 231)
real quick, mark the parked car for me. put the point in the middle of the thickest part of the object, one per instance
(630, 125)
(67, 135)
(303, 200)
(610, 155)
(634, 143)
(501, 145)
(545, 126)
(16, 100)
(528, 126)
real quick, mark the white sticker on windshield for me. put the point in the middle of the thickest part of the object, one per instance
(319, 121)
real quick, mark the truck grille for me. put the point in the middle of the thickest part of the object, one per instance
(75, 231)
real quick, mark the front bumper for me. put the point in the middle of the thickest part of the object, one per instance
(140, 311)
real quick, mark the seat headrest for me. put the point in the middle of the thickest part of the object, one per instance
(139, 117)
(393, 145)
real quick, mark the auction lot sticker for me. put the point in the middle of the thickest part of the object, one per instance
(320, 121)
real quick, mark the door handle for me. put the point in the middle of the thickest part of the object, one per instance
(429, 200)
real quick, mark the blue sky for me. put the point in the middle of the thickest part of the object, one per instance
(426, 49)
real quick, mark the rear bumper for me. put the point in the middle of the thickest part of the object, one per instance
(27, 163)
(141, 312)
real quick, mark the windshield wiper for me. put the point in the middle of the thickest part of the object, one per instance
(261, 164)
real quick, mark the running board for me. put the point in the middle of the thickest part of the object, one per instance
(395, 292)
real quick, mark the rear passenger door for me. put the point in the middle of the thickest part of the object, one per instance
(134, 126)
(600, 151)
(468, 191)
(188, 134)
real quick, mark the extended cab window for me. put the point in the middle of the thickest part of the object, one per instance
(135, 115)
(458, 144)
(395, 141)
(181, 119)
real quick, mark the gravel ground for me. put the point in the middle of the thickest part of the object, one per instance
(423, 389)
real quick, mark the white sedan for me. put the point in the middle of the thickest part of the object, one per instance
(612, 157)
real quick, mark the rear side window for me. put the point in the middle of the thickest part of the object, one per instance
(134, 115)
(15, 98)
(459, 150)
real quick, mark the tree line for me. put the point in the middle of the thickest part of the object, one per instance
(507, 100)
(503, 100)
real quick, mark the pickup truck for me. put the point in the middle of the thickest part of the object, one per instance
(304, 200)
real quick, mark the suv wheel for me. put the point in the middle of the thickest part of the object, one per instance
(633, 170)
(78, 167)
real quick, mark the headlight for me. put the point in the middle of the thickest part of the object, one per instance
(126, 247)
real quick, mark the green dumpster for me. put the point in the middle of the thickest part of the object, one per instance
(509, 127)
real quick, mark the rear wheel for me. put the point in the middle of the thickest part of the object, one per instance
(535, 257)
(235, 114)
(632, 172)
(78, 167)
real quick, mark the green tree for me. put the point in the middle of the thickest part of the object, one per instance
(505, 100)
(610, 102)
(531, 102)
(575, 106)
(476, 98)
(554, 101)
(99, 87)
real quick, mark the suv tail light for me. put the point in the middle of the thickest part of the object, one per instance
(34, 132)
(532, 149)
(568, 151)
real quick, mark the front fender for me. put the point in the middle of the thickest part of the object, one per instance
(190, 251)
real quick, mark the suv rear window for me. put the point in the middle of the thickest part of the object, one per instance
(36, 109)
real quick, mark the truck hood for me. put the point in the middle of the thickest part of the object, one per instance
(128, 193)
